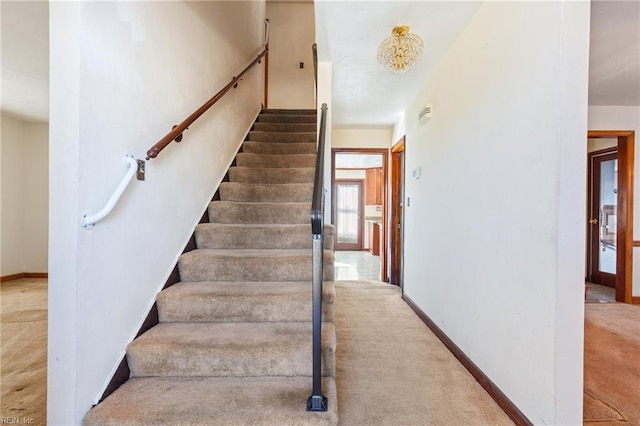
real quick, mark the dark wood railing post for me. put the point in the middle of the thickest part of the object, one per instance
(266, 69)
(314, 49)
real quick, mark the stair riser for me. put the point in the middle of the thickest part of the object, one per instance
(242, 302)
(279, 350)
(202, 266)
(271, 175)
(291, 213)
(213, 236)
(212, 362)
(282, 118)
(279, 148)
(284, 127)
(258, 193)
(299, 137)
(203, 308)
(284, 111)
(244, 159)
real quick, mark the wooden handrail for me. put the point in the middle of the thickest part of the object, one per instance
(314, 49)
(176, 132)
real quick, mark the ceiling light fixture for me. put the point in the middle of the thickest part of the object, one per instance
(401, 51)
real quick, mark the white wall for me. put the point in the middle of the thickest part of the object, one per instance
(25, 218)
(598, 144)
(343, 137)
(291, 36)
(494, 249)
(36, 197)
(12, 148)
(121, 74)
(325, 85)
(624, 118)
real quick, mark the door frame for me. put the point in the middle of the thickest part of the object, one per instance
(396, 240)
(624, 234)
(385, 170)
(359, 244)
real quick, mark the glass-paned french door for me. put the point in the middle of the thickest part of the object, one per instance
(349, 221)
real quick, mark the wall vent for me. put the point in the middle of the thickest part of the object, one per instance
(425, 113)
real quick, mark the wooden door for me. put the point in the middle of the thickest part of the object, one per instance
(397, 213)
(603, 217)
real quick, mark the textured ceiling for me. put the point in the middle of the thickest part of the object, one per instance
(348, 34)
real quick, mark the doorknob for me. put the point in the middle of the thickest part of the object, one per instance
(593, 221)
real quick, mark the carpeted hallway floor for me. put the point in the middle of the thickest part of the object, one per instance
(612, 364)
(391, 370)
(23, 353)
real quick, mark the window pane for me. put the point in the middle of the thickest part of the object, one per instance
(347, 221)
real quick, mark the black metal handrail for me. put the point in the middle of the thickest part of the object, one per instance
(317, 203)
(317, 401)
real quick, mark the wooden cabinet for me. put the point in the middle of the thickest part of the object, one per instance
(375, 239)
(373, 186)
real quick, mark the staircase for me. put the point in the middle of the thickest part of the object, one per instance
(233, 346)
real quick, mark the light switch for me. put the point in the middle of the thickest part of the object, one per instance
(415, 173)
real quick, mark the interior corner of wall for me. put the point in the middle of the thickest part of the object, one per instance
(399, 129)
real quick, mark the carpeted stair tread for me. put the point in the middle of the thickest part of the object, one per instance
(269, 193)
(287, 118)
(285, 127)
(271, 174)
(259, 236)
(300, 137)
(200, 401)
(211, 301)
(265, 213)
(247, 159)
(251, 265)
(279, 147)
(237, 349)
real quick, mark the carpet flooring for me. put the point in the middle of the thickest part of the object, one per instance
(378, 335)
(23, 353)
(391, 370)
(612, 364)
